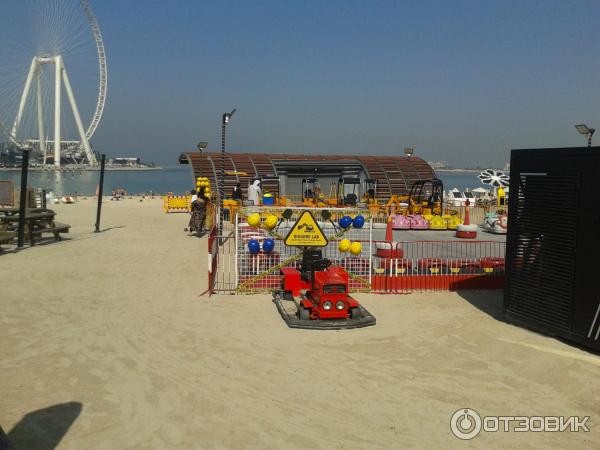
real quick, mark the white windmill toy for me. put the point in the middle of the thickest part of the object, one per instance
(495, 178)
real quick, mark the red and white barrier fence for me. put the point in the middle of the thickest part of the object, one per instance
(383, 266)
(437, 265)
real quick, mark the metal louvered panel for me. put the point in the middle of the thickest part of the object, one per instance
(543, 246)
(552, 244)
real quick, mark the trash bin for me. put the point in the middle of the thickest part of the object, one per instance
(268, 200)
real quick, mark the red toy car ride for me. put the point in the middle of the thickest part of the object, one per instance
(320, 294)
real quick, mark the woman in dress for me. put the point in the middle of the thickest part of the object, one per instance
(198, 213)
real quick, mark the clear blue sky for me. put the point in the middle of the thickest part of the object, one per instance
(460, 81)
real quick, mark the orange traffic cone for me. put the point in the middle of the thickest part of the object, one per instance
(385, 248)
(466, 230)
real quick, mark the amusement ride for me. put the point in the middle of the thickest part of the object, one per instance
(53, 80)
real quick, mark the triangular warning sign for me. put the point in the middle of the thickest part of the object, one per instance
(306, 232)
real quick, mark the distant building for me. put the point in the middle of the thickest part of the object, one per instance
(71, 152)
(125, 161)
(10, 156)
(437, 164)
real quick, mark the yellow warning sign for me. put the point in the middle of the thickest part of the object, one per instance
(306, 232)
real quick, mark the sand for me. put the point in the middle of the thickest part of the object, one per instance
(108, 329)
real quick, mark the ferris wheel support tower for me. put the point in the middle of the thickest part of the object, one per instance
(60, 77)
(66, 34)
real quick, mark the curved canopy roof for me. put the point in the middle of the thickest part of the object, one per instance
(394, 174)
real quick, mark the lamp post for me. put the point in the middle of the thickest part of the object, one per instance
(225, 121)
(23, 197)
(100, 191)
(585, 131)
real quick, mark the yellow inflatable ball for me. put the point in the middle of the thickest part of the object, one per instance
(355, 248)
(271, 221)
(254, 220)
(344, 245)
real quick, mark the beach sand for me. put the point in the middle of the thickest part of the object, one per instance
(111, 326)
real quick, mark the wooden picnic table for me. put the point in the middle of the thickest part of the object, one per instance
(13, 211)
(37, 221)
(6, 237)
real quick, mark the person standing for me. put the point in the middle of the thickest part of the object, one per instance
(198, 212)
(254, 193)
(237, 194)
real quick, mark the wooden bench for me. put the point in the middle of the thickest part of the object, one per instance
(56, 228)
(6, 237)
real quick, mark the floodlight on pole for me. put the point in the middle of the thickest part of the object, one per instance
(408, 151)
(225, 121)
(227, 116)
(201, 145)
(584, 130)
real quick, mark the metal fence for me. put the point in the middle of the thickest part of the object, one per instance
(382, 266)
(437, 265)
(221, 252)
(437, 257)
(381, 210)
(261, 271)
(476, 212)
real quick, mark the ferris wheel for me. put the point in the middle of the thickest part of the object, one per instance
(53, 79)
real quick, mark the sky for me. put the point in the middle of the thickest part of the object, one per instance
(459, 81)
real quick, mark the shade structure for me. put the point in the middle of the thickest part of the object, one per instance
(394, 174)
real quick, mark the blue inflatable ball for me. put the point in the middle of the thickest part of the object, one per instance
(358, 221)
(253, 246)
(345, 222)
(268, 245)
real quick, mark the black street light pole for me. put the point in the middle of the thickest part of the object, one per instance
(224, 122)
(100, 189)
(23, 198)
(584, 130)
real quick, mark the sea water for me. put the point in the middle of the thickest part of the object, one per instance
(159, 181)
(176, 179)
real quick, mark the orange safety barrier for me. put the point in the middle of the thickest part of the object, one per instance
(177, 203)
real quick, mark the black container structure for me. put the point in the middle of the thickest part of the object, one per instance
(553, 243)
